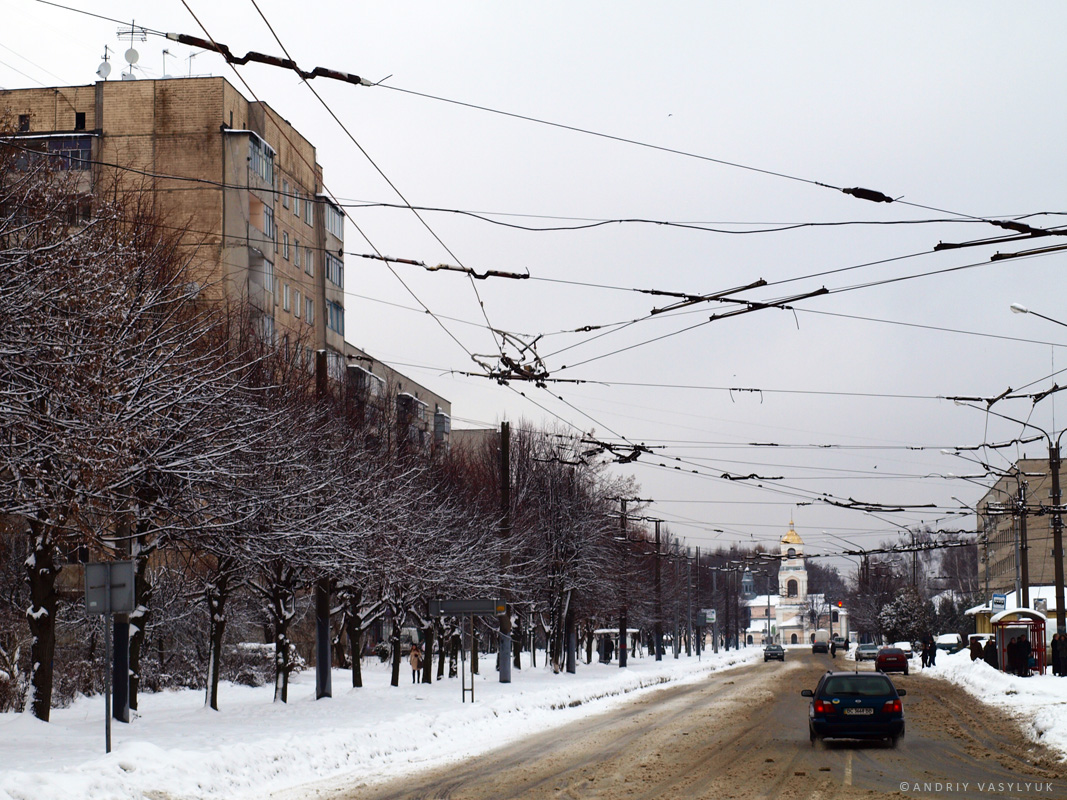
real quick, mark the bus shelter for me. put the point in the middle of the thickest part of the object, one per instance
(1013, 623)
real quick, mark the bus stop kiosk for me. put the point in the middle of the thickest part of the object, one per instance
(1026, 622)
(466, 608)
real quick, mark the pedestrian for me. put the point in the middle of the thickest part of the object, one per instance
(1013, 655)
(931, 657)
(925, 654)
(833, 649)
(415, 659)
(989, 653)
(1025, 656)
(976, 649)
(1059, 654)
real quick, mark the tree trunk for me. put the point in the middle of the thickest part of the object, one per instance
(453, 658)
(474, 649)
(354, 628)
(216, 593)
(441, 651)
(41, 572)
(394, 649)
(138, 624)
(427, 654)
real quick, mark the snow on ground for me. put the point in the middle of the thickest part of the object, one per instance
(1038, 702)
(176, 748)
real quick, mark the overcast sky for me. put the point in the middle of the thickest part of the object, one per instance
(949, 108)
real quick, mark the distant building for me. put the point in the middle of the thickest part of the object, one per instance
(793, 615)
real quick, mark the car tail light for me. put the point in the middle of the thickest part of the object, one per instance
(892, 707)
(822, 707)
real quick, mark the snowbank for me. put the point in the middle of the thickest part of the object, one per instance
(1038, 703)
(175, 747)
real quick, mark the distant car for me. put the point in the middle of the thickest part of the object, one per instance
(949, 642)
(840, 641)
(905, 646)
(773, 651)
(855, 705)
(891, 659)
(867, 652)
(821, 642)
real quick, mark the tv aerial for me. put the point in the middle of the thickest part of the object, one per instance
(135, 33)
(105, 68)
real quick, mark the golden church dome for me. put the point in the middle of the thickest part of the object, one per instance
(792, 537)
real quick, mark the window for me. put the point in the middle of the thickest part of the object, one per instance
(309, 217)
(309, 311)
(791, 588)
(335, 221)
(268, 275)
(286, 304)
(335, 317)
(268, 222)
(261, 158)
(285, 194)
(334, 269)
(309, 261)
(296, 303)
(296, 252)
(296, 202)
(24, 123)
(79, 120)
(285, 245)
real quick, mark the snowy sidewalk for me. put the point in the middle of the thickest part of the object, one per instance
(175, 748)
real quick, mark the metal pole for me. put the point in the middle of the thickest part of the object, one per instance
(1057, 535)
(689, 605)
(623, 634)
(1025, 560)
(107, 676)
(658, 643)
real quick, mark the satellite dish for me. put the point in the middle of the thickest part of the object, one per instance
(131, 56)
(103, 70)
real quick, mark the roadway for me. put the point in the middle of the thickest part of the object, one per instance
(743, 734)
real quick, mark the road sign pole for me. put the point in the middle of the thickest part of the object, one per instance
(107, 682)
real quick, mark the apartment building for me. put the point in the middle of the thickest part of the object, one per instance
(247, 188)
(1000, 525)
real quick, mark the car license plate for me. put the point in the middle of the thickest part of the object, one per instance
(858, 711)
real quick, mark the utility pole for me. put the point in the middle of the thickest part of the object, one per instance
(624, 637)
(659, 601)
(1057, 534)
(1024, 562)
(700, 628)
(504, 620)
(323, 654)
(714, 596)
(689, 605)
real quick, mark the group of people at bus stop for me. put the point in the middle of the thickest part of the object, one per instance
(1020, 656)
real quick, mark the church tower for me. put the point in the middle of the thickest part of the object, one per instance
(792, 572)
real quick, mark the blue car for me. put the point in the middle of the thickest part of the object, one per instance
(855, 705)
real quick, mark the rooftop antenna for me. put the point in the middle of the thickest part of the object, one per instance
(134, 32)
(166, 53)
(105, 68)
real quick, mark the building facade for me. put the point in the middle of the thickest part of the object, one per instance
(1022, 496)
(246, 189)
(794, 614)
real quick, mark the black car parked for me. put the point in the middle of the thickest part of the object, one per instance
(855, 705)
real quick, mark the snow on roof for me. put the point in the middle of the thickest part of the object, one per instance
(1046, 593)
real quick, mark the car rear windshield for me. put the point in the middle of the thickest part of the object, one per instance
(857, 686)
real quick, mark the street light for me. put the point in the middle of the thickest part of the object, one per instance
(1019, 308)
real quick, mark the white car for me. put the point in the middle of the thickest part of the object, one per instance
(905, 646)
